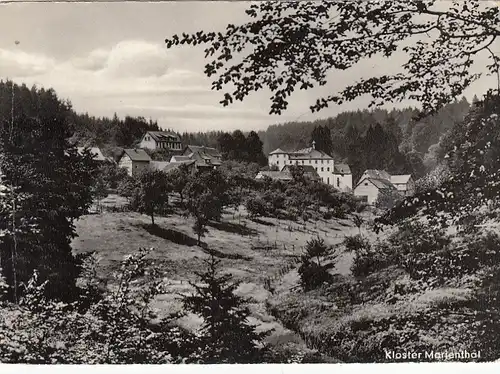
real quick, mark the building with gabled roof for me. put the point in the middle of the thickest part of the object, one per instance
(373, 181)
(134, 160)
(167, 140)
(205, 157)
(404, 184)
(323, 164)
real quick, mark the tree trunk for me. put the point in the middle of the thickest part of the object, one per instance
(152, 219)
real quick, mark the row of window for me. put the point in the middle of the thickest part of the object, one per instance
(309, 161)
(316, 168)
(302, 162)
(169, 145)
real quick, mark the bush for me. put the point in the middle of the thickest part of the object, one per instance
(256, 207)
(388, 199)
(311, 271)
(312, 275)
(369, 259)
(355, 243)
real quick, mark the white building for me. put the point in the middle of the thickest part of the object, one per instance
(134, 160)
(161, 140)
(372, 182)
(323, 163)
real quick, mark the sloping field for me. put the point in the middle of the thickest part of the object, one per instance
(252, 251)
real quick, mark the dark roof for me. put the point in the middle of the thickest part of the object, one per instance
(308, 153)
(137, 154)
(175, 165)
(341, 169)
(180, 158)
(381, 184)
(159, 165)
(161, 136)
(207, 151)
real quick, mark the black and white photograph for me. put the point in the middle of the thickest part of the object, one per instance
(249, 182)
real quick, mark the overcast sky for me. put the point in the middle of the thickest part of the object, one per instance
(111, 57)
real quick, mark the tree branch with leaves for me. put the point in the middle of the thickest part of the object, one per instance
(288, 46)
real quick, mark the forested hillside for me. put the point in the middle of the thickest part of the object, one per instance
(411, 135)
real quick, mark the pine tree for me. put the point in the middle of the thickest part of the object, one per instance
(226, 335)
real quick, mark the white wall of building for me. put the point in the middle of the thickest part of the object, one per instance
(343, 182)
(147, 142)
(368, 189)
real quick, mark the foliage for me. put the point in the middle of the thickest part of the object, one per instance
(206, 194)
(355, 243)
(178, 178)
(311, 271)
(237, 147)
(152, 192)
(322, 139)
(111, 174)
(226, 335)
(388, 198)
(109, 132)
(473, 151)
(296, 44)
(53, 182)
(117, 329)
(256, 207)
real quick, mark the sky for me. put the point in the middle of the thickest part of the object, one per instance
(111, 58)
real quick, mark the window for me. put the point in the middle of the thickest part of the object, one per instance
(322, 168)
(278, 162)
(338, 182)
(327, 180)
(315, 161)
(302, 162)
(321, 161)
(316, 168)
(296, 162)
(327, 169)
(366, 183)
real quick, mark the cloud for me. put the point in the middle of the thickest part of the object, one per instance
(17, 63)
(195, 111)
(129, 58)
(96, 60)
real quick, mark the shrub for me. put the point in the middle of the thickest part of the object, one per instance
(388, 199)
(311, 271)
(369, 259)
(256, 207)
(355, 243)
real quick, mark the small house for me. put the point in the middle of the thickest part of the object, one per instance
(205, 157)
(134, 160)
(368, 189)
(404, 184)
